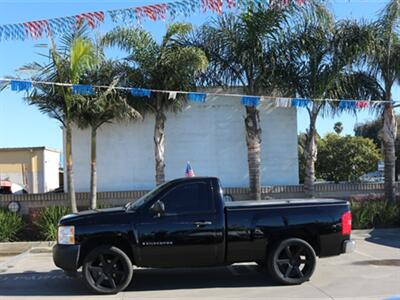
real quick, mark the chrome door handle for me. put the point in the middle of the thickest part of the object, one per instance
(202, 223)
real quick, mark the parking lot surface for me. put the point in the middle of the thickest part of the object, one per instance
(371, 272)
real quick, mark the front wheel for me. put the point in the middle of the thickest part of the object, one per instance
(291, 261)
(107, 270)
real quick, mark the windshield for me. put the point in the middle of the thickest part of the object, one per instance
(142, 200)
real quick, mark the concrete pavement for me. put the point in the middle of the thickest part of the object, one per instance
(371, 272)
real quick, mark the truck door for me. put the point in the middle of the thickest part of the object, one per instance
(185, 234)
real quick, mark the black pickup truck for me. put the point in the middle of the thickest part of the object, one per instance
(186, 223)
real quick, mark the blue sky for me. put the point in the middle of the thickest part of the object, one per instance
(22, 125)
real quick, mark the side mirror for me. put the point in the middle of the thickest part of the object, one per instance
(158, 208)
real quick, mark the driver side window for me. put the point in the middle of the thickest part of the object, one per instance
(188, 198)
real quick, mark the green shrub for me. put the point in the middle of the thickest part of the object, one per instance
(10, 225)
(374, 211)
(48, 220)
(104, 205)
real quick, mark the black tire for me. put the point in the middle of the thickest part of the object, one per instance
(291, 261)
(107, 270)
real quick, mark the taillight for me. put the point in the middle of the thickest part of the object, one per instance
(346, 223)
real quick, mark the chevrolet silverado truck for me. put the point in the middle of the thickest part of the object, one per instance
(186, 223)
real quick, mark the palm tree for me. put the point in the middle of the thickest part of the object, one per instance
(92, 111)
(67, 65)
(383, 59)
(241, 50)
(319, 56)
(170, 65)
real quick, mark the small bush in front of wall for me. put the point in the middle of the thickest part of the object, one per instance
(48, 219)
(104, 205)
(10, 225)
(374, 211)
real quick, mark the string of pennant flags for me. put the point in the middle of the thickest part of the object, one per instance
(154, 12)
(200, 97)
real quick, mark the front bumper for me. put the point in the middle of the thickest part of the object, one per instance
(66, 257)
(349, 246)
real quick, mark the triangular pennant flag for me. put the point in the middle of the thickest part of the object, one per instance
(137, 92)
(172, 95)
(250, 100)
(18, 86)
(82, 89)
(197, 97)
(300, 102)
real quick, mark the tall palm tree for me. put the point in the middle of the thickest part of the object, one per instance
(171, 65)
(319, 55)
(106, 106)
(67, 64)
(383, 59)
(241, 50)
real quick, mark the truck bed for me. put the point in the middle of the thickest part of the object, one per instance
(254, 204)
(255, 224)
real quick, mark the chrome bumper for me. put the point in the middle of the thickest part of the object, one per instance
(349, 246)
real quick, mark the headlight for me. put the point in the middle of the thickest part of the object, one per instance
(66, 235)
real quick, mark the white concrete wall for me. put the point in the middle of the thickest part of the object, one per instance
(211, 136)
(51, 170)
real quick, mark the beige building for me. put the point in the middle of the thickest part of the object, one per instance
(34, 168)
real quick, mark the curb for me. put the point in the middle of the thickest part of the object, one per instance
(11, 248)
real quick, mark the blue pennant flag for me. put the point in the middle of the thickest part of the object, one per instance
(82, 89)
(250, 100)
(300, 102)
(18, 86)
(347, 104)
(197, 97)
(136, 92)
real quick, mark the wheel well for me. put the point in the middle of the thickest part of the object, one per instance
(310, 238)
(115, 241)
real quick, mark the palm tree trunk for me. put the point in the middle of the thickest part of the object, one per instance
(93, 171)
(70, 174)
(310, 153)
(389, 142)
(159, 146)
(253, 141)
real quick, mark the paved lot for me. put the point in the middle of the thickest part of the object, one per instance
(372, 272)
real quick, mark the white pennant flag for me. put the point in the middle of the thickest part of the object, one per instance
(172, 95)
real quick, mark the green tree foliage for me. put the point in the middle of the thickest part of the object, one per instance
(373, 130)
(383, 60)
(319, 53)
(105, 106)
(170, 65)
(67, 64)
(370, 129)
(346, 158)
(243, 51)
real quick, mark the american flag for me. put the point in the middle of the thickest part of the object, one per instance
(189, 171)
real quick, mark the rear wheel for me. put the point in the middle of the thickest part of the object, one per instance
(291, 261)
(107, 270)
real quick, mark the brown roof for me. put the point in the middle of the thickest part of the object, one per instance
(29, 149)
